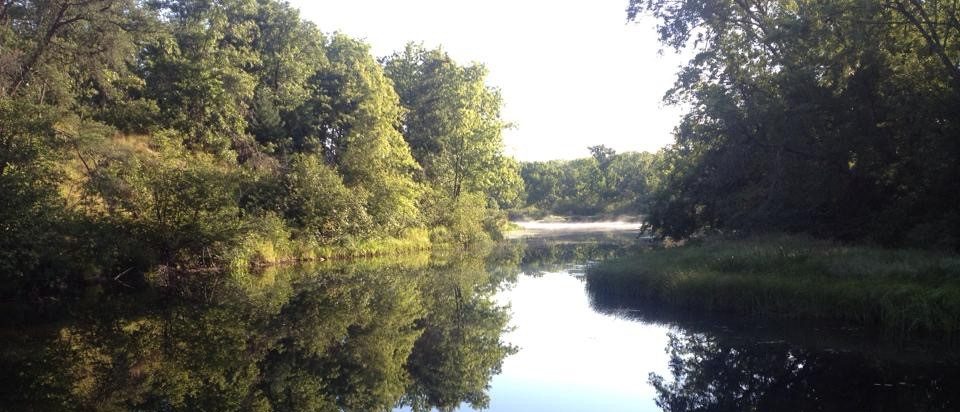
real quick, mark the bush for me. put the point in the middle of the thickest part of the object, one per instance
(318, 205)
(179, 204)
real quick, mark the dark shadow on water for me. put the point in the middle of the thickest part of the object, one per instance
(720, 363)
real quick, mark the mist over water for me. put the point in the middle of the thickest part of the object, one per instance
(541, 228)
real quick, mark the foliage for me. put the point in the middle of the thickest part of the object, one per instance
(28, 223)
(195, 70)
(137, 137)
(452, 124)
(176, 201)
(831, 118)
(319, 203)
(607, 183)
(358, 115)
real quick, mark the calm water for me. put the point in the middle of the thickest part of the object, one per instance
(511, 328)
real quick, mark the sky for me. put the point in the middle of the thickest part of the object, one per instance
(572, 73)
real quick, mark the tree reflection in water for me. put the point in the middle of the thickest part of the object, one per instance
(722, 363)
(565, 251)
(359, 337)
(719, 372)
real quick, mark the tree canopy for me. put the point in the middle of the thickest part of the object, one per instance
(200, 133)
(834, 118)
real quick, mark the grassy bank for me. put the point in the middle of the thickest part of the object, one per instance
(902, 291)
(277, 248)
(272, 245)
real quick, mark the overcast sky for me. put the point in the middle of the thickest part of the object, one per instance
(573, 73)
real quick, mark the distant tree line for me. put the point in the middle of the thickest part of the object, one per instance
(196, 133)
(835, 118)
(606, 183)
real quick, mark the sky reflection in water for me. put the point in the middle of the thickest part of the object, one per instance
(571, 357)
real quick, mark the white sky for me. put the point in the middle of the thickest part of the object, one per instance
(573, 73)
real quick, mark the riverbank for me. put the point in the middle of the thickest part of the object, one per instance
(278, 248)
(907, 292)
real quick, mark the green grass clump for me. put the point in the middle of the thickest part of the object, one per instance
(272, 244)
(416, 239)
(903, 291)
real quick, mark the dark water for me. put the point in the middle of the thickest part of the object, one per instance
(508, 328)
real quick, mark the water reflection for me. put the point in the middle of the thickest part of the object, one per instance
(572, 358)
(513, 328)
(723, 364)
(460, 348)
(359, 336)
(719, 373)
(570, 251)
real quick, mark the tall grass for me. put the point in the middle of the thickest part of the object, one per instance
(902, 291)
(271, 244)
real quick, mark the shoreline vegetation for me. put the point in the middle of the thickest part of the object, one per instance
(236, 135)
(603, 186)
(260, 253)
(842, 128)
(230, 135)
(902, 292)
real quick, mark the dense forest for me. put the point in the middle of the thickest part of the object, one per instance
(188, 134)
(834, 118)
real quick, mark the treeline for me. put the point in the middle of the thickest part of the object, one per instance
(835, 118)
(606, 183)
(200, 133)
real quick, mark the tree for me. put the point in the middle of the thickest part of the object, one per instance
(193, 134)
(828, 118)
(453, 124)
(352, 118)
(607, 182)
(30, 209)
(49, 73)
(291, 51)
(195, 70)
(43, 38)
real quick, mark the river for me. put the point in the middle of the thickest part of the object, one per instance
(512, 327)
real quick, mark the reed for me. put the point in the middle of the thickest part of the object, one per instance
(903, 291)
